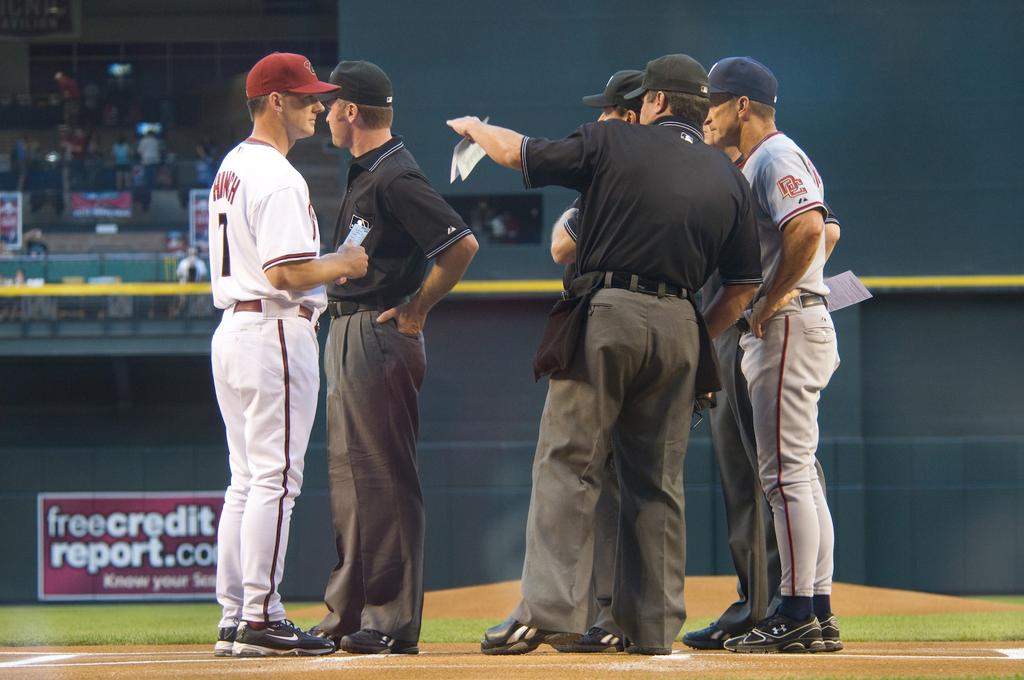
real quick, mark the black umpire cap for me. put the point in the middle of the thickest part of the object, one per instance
(362, 82)
(673, 73)
(619, 85)
(744, 77)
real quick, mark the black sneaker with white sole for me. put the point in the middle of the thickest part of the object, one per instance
(830, 634)
(319, 632)
(595, 640)
(280, 638)
(512, 637)
(225, 640)
(711, 637)
(368, 641)
(780, 634)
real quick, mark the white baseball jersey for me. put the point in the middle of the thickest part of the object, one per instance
(785, 184)
(260, 216)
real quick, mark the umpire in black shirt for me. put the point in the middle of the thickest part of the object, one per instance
(375, 362)
(660, 212)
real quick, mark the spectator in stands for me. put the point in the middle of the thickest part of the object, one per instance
(191, 268)
(121, 154)
(19, 162)
(149, 155)
(78, 147)
(91, 104)
(35, 246)
(70, 95)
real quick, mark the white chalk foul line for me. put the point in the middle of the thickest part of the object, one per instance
(37, 658)
(105, 653)
(1011, 653)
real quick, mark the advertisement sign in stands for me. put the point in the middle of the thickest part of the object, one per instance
(199, 219)
(10, 219)
(101, 204)
(126, 546)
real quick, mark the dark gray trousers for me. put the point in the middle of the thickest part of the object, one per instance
(633, 375)
(755, 554)
(374, 375)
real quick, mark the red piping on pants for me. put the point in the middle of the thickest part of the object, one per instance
(778, 458)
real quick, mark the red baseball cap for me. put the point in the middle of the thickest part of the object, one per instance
(284, 72)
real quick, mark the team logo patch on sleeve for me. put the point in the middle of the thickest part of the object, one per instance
(791, 186)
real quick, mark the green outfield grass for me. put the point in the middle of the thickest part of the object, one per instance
(1009, 599)
(196, 623)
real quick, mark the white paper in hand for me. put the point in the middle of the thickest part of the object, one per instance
(465, 157)
(357, 231)
(845, 290)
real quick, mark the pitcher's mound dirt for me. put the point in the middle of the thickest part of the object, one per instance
(706, 597)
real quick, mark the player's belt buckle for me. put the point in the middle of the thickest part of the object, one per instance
(812, 300)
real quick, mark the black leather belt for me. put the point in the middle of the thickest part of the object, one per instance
(806, 300)
(338, 308)
(639, 284)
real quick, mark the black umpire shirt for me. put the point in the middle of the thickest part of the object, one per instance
(408, 222)
(654, 201)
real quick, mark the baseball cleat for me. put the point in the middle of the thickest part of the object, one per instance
(830, 634)
(594, 640)
(632, 648)
(317, 631)
(711, 637)
(375, 642)
(225, 640)
(779, 634)
(280, 638)
(512, 637)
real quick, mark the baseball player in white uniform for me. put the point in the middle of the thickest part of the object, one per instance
(268, 277)
(789, 354)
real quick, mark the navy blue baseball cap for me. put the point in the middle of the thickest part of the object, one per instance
(744, 77)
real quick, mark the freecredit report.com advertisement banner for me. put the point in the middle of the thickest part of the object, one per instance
(128, 545)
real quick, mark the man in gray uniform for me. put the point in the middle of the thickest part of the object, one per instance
(604, 634)
(660, 212)
(751, 532)
(789, 354)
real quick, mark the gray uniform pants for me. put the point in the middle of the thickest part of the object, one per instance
(786, 372)
(633, 374)
(374, 374)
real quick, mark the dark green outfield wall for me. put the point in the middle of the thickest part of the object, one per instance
(909, 111)
(922, 443)
(908, 108)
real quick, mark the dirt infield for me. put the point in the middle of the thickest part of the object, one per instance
(706, 597)
(459, 661)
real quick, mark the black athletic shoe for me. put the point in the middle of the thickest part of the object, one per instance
(512, 637)
(317, 631)
(594, 640)
(830, 634)
(779, 634)
(711, 637)
(280, 638)
(633, 648)
(376, 642)
(225, 641)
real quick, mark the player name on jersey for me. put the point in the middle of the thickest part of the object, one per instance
(225, 186)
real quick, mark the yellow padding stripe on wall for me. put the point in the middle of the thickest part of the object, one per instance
(492, 287)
